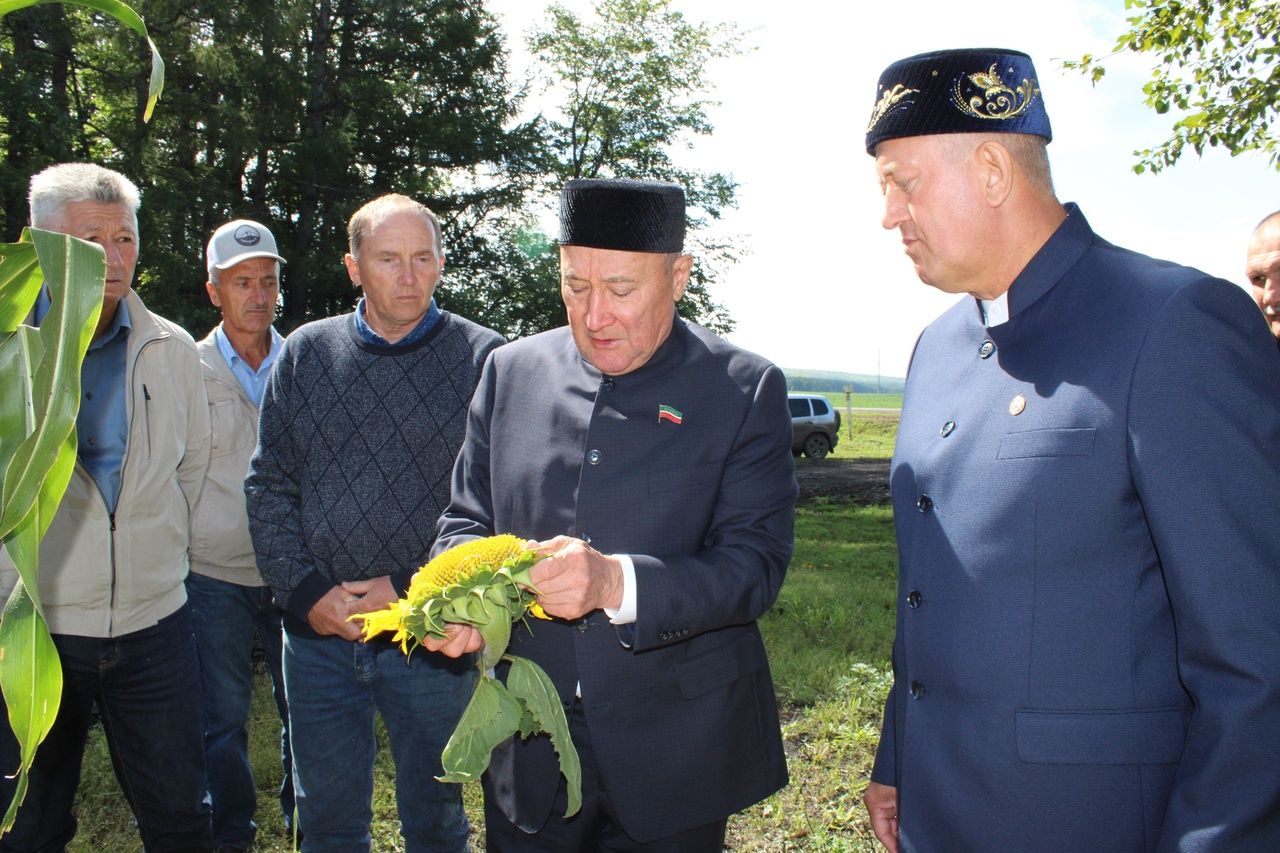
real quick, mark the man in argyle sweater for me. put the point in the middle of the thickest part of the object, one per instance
(361, 421)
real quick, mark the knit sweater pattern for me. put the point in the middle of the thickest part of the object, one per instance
(355, 450)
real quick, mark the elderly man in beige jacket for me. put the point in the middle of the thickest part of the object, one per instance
(113, 563)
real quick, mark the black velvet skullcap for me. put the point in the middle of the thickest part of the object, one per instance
(971, 90)
(627, 215)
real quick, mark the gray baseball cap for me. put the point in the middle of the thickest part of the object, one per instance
(240, 240)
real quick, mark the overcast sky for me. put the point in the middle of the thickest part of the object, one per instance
(824, 286)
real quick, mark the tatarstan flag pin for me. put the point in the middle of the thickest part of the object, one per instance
(669, 413)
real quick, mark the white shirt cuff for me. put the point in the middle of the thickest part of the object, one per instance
(626, 614)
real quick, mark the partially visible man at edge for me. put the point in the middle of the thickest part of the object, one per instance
(1086, 441)
(1262, 269)
(361, 421)
(229, 598)
(652, 459)
(113, 562)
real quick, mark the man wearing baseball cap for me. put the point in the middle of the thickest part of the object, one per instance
(1087, 653)
(228, 596)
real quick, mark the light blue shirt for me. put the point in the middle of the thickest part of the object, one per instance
(252, 382)
(368, 335)
(102, 426)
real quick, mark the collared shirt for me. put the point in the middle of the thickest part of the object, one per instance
(102, 426)
(252, 382)
(995, 311)
(368, 335)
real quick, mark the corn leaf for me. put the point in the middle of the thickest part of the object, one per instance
(30, 673)
(75, 271)
(125, 15)
(491, 717)
(536, 694)
(20, 280)
(38, 406)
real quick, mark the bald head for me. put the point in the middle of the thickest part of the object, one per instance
(1262, 268)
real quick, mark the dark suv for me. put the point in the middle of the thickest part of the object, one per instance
(815, 425)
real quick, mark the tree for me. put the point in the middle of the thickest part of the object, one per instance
(296, 113)
(632, 87)
(1218, 61)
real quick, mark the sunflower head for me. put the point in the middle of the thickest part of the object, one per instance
(461, 562)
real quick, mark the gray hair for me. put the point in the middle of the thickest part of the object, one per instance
(363, 220)
(66, 183)
(1029, 152)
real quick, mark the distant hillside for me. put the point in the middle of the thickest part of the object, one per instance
(831, 380)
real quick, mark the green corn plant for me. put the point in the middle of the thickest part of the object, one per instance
(38, 451)
(39, 400)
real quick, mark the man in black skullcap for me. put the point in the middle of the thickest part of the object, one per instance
(653, 459)
(1087, 656)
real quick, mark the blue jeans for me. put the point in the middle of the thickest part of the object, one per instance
(225, 615)
(147, 688)
(334, 687)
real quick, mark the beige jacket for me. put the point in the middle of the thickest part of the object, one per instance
(105, 576)
(220, 543)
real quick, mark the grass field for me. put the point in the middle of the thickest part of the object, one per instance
(863, 401)
(865, 435)
(829, 639)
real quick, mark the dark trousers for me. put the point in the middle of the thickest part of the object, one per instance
(147, 688)
(596, 826)
(225, 616)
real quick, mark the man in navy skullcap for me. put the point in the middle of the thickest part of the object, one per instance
(653, 459)
(1087, 654)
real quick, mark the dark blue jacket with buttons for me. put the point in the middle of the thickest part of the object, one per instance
(1088, 651)
(680, 706)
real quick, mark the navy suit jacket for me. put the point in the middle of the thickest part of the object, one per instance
(1088, 650)
(680, 705)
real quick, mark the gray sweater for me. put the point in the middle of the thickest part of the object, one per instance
(355, 450)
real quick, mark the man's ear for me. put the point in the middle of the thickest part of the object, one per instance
(680, 271)
(353, 269)
(212, 289)
(996, 168)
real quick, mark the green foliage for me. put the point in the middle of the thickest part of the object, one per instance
(1217, 64)
(492, 716)
(544, 714)
(631, 82)
(294, 113)
(125, 15)
(297, 112)
(37, 453)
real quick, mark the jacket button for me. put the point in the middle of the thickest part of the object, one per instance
(947, 428)
(925, 503)
(914, 598)
(917, 690)
(985, 350)
(594, 457)
(608, 385)
(582, 626)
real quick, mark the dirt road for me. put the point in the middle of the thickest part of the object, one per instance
(856, 481)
